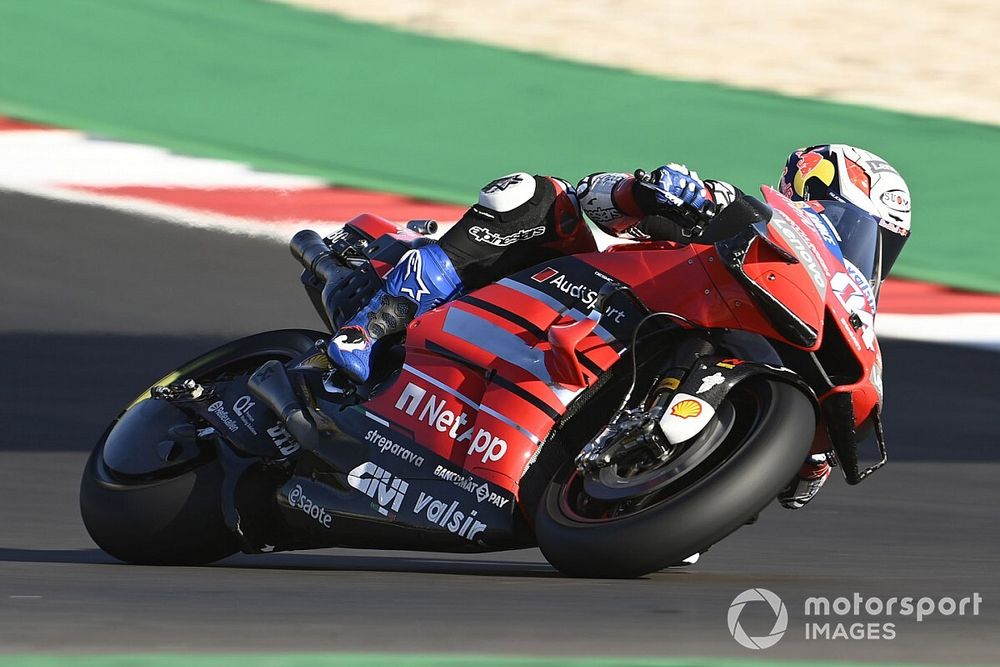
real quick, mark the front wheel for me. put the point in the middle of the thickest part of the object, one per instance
(143, 509)
(627, 523)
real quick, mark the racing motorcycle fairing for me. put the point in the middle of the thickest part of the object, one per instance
(374, 475)
(476, 387)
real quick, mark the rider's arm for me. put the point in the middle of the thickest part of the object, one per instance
(609, 201)
(618, 204)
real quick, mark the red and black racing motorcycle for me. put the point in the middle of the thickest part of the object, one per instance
(621, 409)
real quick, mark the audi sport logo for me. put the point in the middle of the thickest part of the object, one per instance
(544, 275)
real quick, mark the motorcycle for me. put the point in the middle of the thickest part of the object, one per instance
(621, 409)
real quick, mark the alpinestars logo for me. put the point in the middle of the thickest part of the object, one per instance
(413, 265)
(484, 235)
(434, 414)
(379, 484)
(502, 184)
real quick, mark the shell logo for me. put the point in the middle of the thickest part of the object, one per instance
(686, 409)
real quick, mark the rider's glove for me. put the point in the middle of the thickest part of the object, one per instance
(673, 188)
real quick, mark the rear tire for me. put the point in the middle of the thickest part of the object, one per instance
(720, 499)
(174, 518)
(176, 521)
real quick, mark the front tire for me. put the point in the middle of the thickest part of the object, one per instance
(712, 501)
(173, 516)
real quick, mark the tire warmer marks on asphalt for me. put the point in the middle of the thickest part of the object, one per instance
(231, 196)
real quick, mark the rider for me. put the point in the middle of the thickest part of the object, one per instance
(521, 220)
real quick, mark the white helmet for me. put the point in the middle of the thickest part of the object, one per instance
(844, 173)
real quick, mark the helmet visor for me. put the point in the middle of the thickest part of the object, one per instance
(858, 233)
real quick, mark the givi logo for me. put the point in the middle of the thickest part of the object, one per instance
(380, 485)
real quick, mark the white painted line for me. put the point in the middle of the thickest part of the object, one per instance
(51, 157)
(972, 329)
(275, 231)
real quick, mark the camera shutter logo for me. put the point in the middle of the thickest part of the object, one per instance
(780, 620)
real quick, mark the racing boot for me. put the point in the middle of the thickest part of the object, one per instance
(807, 483)
(423, 279)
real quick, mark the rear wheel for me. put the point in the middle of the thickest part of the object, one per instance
(143, 509)
(626, 521)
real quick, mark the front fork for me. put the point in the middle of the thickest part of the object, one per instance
(637, 430)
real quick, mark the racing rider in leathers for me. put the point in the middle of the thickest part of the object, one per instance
(521, 220)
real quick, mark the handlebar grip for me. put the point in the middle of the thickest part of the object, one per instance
(423, 227)
(311, 251)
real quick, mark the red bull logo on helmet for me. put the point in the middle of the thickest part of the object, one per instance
(812, 165)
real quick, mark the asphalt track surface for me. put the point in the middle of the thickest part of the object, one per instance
(95, 304)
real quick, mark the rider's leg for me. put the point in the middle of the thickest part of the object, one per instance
(520, 220)
(807, 483)
(423, 279)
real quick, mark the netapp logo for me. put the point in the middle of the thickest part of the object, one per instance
(435, 414)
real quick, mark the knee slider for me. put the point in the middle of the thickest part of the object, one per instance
(508, 192)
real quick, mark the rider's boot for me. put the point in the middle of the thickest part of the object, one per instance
(807, 483)
(423, 279)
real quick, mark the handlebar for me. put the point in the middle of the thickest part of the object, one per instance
(311, 251)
